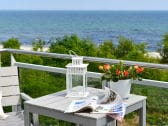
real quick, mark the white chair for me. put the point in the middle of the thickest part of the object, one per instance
(11, 96)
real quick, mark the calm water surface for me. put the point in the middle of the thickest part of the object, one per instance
(141, 26)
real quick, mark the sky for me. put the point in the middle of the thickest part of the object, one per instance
(83, 4)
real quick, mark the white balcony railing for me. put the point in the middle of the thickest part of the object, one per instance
(148, 82)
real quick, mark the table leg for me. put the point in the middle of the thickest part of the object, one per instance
(35, 120)
(113, 123)
(142, 114)
(79, 125)
(26, 116)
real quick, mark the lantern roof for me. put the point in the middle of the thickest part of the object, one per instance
(72, 65)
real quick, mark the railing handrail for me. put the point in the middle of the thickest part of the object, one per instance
(148, 82)
(89, 59)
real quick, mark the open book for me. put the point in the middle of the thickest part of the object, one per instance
(110, 103)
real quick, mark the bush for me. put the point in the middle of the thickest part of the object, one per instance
(12, 43)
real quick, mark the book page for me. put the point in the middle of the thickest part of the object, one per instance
(83, 104)
(111, 102)
(109, 108)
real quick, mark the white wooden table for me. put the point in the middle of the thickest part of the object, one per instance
(53, 105)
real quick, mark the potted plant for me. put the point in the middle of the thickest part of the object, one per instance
(118, 77)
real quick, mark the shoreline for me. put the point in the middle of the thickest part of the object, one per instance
(155, 55)
(28, 48)
(150, 54)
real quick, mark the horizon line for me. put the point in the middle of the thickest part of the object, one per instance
(71, 10)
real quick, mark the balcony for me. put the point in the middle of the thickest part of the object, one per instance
(36, 76)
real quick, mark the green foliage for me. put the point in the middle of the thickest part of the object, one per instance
(37, 83)
(157, 119)
(73, 42)
(29, 59)
(152, 74)
(164, 48)
(12, 43)
(106, 50)
(5, 59)
(157, 103)
(38, 44)
(47, 121)
(80, 46)
(138, 53)
(124, 47)
(127, 49)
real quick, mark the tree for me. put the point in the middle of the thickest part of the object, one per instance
(83, 47)
(38, 44)
(80, 46)
(124, 47)
(12, 43)
(128, 50)
(138, 54)
(106, 49)
(164, 48)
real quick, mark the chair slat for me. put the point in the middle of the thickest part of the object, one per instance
(9, 80)
(10, 90)
(8, 71)
(11, 100)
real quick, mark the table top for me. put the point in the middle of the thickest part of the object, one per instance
(58, 102)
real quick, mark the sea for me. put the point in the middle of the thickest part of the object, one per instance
(29, 25)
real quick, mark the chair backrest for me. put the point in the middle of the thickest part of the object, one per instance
(9, 84)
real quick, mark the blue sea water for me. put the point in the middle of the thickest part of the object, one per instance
(141, 26)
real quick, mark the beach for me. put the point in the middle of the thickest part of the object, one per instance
(29, 48)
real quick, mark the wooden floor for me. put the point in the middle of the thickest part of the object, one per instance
(13, 120)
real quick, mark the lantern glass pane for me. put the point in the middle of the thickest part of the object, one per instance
(77, 80)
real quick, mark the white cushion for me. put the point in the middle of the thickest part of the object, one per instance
(2, 114)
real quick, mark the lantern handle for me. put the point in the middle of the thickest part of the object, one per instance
(72, 53)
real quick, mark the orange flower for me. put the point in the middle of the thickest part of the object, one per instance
(118, 72)
(106, 67)
(140, 70)
(126, 73)
(136, 66)
(100, 67)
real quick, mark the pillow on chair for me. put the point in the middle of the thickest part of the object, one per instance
(2, 114)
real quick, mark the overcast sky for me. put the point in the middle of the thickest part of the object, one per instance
(84, 4)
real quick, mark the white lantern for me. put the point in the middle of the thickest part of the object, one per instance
(76, 80)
